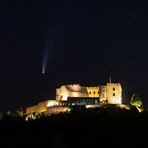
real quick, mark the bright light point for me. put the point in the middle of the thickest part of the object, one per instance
(52, 103)
(43, 71)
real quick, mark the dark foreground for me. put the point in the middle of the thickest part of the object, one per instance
(88, 128)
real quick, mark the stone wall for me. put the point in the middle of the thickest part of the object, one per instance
(114, 93)
(93, 91)
(74, 90)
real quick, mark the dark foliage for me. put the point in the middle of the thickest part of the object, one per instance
(109, 127)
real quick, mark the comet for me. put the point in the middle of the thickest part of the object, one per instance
(44, 64)
(43, 70)
(47, 51)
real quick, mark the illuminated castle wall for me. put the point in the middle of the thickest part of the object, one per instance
(74, 90)
(110, 93)
(41, 106)
(93, 91)
(114, 93)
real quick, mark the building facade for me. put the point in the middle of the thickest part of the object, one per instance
(110, 93)
(74, 94)
(42, 106)
(74, 90)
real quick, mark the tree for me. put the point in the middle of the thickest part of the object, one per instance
(1, 116)
(20, 112)
(136, 100)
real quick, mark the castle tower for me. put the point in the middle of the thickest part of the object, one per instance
(114, 93)
(103, 94)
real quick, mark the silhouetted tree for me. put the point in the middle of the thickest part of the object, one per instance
(1, 116)
(20, 112)
(136, 100)
(8, 113)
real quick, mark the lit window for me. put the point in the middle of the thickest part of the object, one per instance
(113, 94)
(114, 89)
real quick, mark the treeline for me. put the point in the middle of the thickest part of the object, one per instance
(109, 126)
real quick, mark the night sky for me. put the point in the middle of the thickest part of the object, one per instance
(80, 41)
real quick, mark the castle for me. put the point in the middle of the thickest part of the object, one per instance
(110, 93)
(75, 94)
